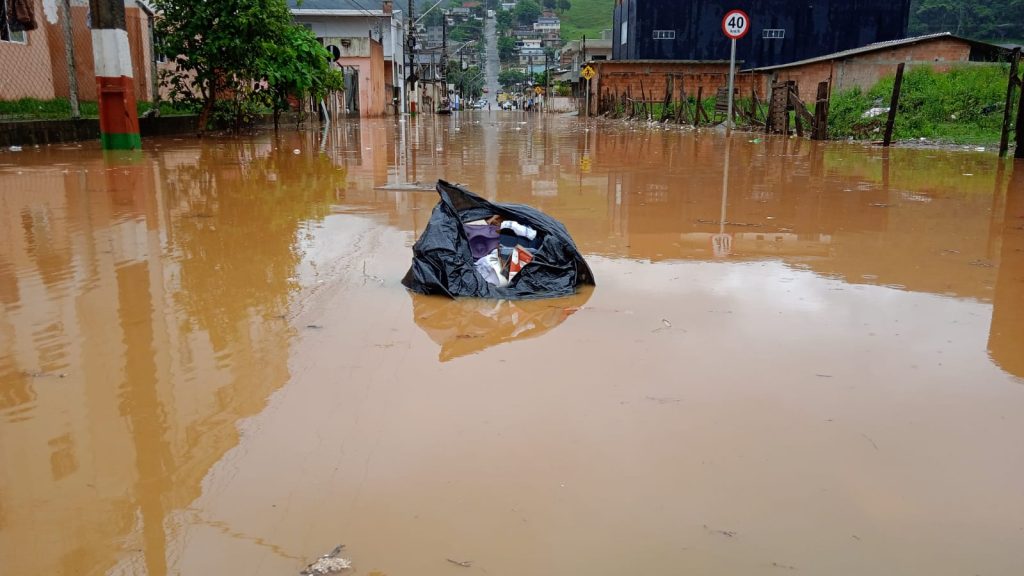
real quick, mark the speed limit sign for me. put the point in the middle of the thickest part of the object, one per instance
(736, 24)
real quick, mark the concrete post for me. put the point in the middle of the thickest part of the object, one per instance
(119, 119)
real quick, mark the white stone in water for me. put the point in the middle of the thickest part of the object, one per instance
(329, 566)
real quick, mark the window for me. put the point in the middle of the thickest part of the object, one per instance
(624, 32)
(158, 49)
(6, 33)
(773, 33)
(664, 34)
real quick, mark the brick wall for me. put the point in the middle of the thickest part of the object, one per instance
(616, 76)
(865, 70)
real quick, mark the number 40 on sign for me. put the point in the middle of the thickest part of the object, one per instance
(736, 24)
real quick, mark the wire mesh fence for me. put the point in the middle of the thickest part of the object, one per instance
(46, 59)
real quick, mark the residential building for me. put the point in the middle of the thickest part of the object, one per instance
(549, 28)
(574, 56)
(355, 21)
(780, 31)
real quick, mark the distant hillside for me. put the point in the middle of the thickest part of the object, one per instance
(587, 17)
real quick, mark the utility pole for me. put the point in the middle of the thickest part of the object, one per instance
(583, 53)
(410, 46)
(547, 81)
(119, 117)
(444, 57)
(69, 54)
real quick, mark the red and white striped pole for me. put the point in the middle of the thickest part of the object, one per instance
(119, 119)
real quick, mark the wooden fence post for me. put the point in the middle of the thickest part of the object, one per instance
(778, 110)
(1011, 85)
(698, 108)
(821, 113)
(893, 105)
(1018, 136)
(668, 98)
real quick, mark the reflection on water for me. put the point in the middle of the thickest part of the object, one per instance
(148, 304)
(1006, 337)
(142, 317)
(469, 325)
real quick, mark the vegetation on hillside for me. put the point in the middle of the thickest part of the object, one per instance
(992, 20)
(587, 17)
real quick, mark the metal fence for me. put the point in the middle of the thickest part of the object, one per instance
(46, 64)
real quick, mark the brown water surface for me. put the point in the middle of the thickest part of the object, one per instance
(798, 357)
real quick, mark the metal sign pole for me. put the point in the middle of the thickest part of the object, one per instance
(732, 76)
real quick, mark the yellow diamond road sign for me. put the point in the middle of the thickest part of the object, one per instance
(587, 72)
(539, 90)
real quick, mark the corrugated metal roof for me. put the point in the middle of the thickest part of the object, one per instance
(874, 48)
(372, 6)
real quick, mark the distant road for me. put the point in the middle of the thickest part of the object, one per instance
(491, 64)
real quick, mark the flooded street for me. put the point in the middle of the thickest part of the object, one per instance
(809, 362)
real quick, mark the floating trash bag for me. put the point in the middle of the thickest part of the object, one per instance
(546, 265)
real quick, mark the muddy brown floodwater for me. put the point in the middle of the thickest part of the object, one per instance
(810, 362)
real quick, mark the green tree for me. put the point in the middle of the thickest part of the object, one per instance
(997, 20)
(506, 48)
(298, 67)
(433, 18)
(469, 82)
(526, 12)
(504, 20)
(509, 78)
(564, 5)
(226, 47)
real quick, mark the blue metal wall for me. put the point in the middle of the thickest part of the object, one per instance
(812, 28)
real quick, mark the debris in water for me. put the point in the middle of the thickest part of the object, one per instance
(330, 563)
(406, 187)
(870, 440)
(464, 564)
(726, 533)
(783, 566)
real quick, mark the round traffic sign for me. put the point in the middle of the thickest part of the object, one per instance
(736, 24)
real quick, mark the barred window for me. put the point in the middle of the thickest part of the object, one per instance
(664, 34)
(770, 33)
(7, 32)
(8, 35)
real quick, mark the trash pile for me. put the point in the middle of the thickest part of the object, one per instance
(472, 247)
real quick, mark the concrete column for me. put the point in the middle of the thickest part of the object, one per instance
(119, 119)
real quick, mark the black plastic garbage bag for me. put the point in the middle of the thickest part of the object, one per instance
(442, 262)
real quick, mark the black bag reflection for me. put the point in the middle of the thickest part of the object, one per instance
(469, 325)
